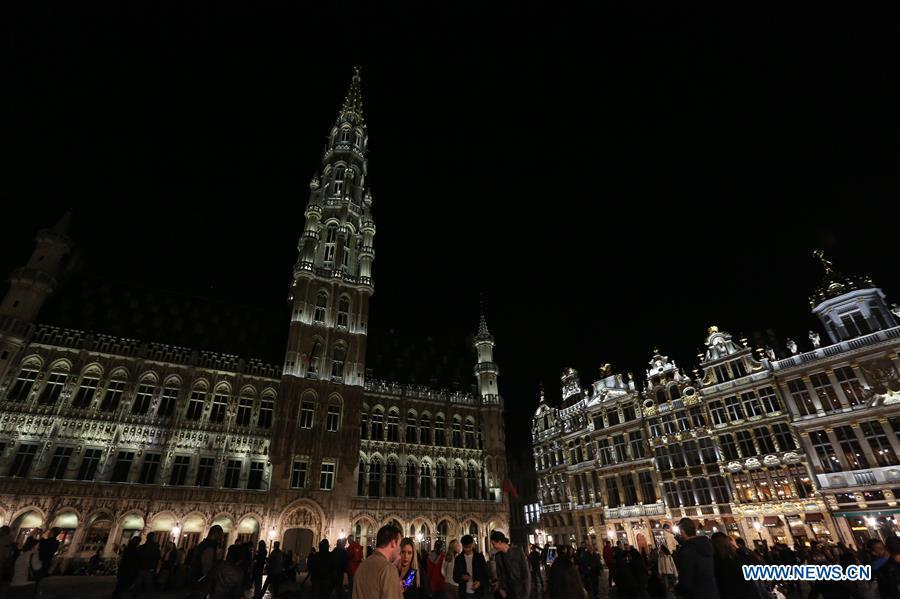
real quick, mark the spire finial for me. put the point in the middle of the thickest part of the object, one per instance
(482, 323)
(826, 264)
(352, 107)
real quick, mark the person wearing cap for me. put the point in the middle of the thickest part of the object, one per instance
(513, 573)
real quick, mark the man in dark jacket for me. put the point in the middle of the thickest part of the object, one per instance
(148, 556)
(470, 570)
(694, 560)
(513, 575)
(339, 566)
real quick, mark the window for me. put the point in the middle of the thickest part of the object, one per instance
(59, 462)
(720, 489)
(733, 408)
(697, 418)
(439, 437)
(764, 440)
(375, 478)
(255, 480)
(878, 441)
(825, 391)
(850, 385)
(850, 445)
(149, 468)
(52, 388)
(458, 484)
(628, 413)
(122, 468)
(686, 493)
(701, 491)
(457, 432)
(326, 478)
(390, 478)
(668, 424)
(298, 474)
(195, 405)
(333, 419)
(707, 450)
(603, 453)
(783, 437)
(629, 490)
(321, 306)
(307, 413)
(729, 447)
(86, 391)
(619, 448)
(656, 429)
(266, 408)
(470, 433)
(180, 470)
(378, 425)
(337, 363)
(343, 314)
(167, 402)
(751, 404)
(21, 463)
(745, 442)
(244, 411)
(598, 422)
(411, 471)
(723, 373)
(425, 431)
(613, 417)
(220, 402)
(636, 443)
(472, 482)
(440, 474)
(681, 420)
(738, 369)
(855, 324)
(89, 464)
(800, 395)
(691, 453)
(769, 400)
(142, 399)
(425, 480)
(361, 478)
(393, 426)
(113, 396)
(671, 492)
(411, 436)
(232, 474)
(205, 472)
(23, 385)
(331, 234)
(612, 492)
(648, 488)
(825, 451)
(363, 425)
(717, 412)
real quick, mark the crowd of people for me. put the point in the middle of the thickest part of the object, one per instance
(701, 567)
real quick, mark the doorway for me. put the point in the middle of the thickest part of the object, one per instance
(298, 540)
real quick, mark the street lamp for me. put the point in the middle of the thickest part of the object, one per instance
(176, 530)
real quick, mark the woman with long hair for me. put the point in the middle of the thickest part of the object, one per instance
(447, 569)
(409, 561)
(563, 581)
(729, 575)
(666, 569)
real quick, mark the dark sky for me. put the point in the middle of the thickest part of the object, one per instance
(611, 177)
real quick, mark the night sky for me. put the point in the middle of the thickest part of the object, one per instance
(611, 178)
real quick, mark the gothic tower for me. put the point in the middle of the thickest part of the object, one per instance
(493, 426)
(322, 380)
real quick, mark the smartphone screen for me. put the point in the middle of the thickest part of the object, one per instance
(410, 577)
(551, 555)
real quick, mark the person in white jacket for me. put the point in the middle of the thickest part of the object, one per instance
(447, 569)
(22, 584)
(667, 571)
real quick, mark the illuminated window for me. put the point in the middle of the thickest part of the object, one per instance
(733, 408)
(800, 395)
(425, 480)
(850, 385)
(825, 451)
(825, 391)
(343, 314)
(337, 363)
(783, 437)
(298, 474)
(769, 400)
(745, 442)
(331, 237)
(878, 441)
(729, 447)
(851, 447)
(751, 404)
(636, 443)
(326, 477)
(717, 412)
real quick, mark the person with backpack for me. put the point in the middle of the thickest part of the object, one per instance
(204, 561)
(434, 565)
(25, 571)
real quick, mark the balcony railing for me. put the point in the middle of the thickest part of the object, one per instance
(838, 348)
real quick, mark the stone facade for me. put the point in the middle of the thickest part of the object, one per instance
(771, 449)
(108, 437)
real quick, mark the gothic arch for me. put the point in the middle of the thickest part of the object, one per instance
(64, 510)
(149, 375)
(303, 505)
(34, 360)
(248, 391)
(418, 521)
(119, 373)
(394, 516)
(60, 365)
(98, 514)
(24, 510)
(173, 380)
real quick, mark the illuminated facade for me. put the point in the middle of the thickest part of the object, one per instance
(774, 450)
(108, 437)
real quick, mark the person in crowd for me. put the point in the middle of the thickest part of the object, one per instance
(409, 562)
(889, 580)
(47, 548)
(563, 581)
(6, 553)
(148, 557)
(274, 569)
(728, 573)
(322, 572)
(589, 567)
(127, 572)
(228, 577)
(205, 559)
(290, 567)
(534, 563)
(339, 556)
(452, 588)
(354, 559)
(376, 577)
(665, 567)
(259, 565)
(434, 570)
(609, 560)
(694, 561)
(23, 583)
(168, 567)
(470, 570)
(95, 563)
(513, 575)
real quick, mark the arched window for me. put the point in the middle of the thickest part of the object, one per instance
(378, 425)
(457, 431)
(459, 484)
(472, 482)
(660, 397)
(361, 478)
(343, 314)
(337, 363)
(330, 244)
(143, 396)
(393, 426)
(24, 383)
(674, 392)
(411, 436)
(53, 387)
(443, 531)
(440, 475)
(375, 478)
(196, 403)
(219, 405)
(364, 425)
(337, 184)
(425, 429)
(425, 480)
(390, 478)
(114, 390)
(440, 438)
(470, 433)
(321, 307)
(411, 472)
